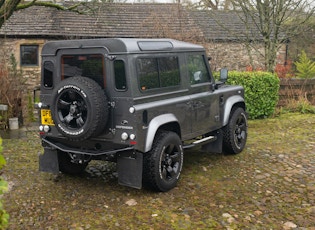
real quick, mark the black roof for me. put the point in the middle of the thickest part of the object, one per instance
(122, 45)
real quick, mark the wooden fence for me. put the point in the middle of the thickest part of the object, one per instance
(295, 89)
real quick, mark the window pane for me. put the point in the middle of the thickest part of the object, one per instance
(29, 55)
(158, 72)
(155, 45)
(48, 74)
(198, 72)
(120, 75)
(169, 71)
(90, 66)
(148, 73)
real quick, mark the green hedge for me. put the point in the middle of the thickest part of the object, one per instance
(261, 91)
(4, 217)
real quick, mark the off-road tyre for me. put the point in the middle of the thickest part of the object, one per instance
(163, 164)
(79, 108)
(235, 132)
(68, 167)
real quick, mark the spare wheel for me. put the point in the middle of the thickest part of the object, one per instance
(79, 108)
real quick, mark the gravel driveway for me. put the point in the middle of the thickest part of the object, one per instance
(271, 185)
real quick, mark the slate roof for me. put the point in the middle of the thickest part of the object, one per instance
(145, 20)
(224, 25)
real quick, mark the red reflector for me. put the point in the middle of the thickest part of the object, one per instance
(41, 133)
(133, 142)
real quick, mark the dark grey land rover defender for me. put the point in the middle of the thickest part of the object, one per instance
(136, 102)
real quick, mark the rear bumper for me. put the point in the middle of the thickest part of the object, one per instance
(62, 147)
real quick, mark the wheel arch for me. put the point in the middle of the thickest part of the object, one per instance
(166, 122)
(231, 102)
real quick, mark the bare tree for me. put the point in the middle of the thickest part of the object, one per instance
(8, 7)
(215, 4)
(275, 21)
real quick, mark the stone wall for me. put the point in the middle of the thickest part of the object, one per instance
(235, 56)
(31, 74)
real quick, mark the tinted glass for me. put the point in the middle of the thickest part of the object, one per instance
(155, 45)
(120, 75)
(158, 72)
(148, 73)
(90, 66)
(169, 71)
(197, 68)
(48, 74)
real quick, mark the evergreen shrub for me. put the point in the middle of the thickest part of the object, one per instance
(4, 217)
(305, 67)
(261, 91)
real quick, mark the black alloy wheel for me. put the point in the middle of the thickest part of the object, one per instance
(79, 108)
(163, 164)
(72, 109)
(235, 132)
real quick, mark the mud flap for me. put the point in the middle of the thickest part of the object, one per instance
(214, 146)
(129, 168)
(48, 162)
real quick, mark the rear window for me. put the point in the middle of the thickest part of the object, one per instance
(120, 75)
(158, 72)
(91, 66)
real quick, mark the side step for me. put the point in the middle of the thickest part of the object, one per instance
(205, 140)
(200, 142)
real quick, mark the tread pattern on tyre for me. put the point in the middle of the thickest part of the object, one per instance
(151, 167)
(98, 106)
(228, 139)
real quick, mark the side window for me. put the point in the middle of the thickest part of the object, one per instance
(29, 55)
(197, 69)
(48, 74)
(169, 71)
(148, 73)
(158, 72)
(120, 75)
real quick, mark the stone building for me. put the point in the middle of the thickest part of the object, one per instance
(25, 33)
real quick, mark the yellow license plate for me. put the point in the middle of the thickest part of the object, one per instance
(46, 117)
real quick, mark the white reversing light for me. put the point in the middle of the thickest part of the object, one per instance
(46, 128)
(124, 136)
(132, 136)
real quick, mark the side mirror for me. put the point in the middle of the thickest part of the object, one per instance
(223, 75)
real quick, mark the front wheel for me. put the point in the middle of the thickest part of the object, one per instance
(163, 164)
(235, 132)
